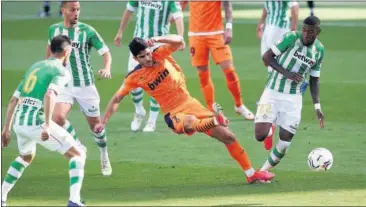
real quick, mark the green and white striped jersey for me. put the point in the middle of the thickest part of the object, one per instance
(153, 17)
(41, 76)
(277, 13)
(83, 38)
(295, 57)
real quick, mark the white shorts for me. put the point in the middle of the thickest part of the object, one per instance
(87, 97)
(270, 35)
(132, 63)
(29, 136)
(284, 109)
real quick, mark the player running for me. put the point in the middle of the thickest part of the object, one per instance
(35, 101)
(152, 21)
(81, 87)
(293, 57)
(206, 34)
(159, 75)
(276, 23)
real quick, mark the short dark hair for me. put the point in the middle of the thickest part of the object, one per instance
(312, 20)
(59, 43)
(63, 3)
(137, 45)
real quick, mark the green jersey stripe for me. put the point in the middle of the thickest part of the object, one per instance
(31, 116)
(81, 59)
(152, 16)
(165, 17)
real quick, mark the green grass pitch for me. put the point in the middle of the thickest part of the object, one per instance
(166, 169)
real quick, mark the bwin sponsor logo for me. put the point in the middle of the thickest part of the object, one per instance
(161, 76)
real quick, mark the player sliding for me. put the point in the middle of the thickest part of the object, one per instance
(292, 57)
(160, 76)
(35, 98)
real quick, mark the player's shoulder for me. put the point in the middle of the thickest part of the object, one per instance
(55, 25)
(85, 27)
(136, 70)
(319, 45)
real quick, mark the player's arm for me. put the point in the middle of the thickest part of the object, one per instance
(5, 136)
(277, 49)
(113, 104)
(172, 43)
(183, 4)
(261, 22)
(228, 35)
(48, 49)
(126, 16)
(294, 14)
(177, 15)
(98, 43)
(314, 89)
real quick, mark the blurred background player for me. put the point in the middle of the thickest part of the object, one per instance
(206, 34)
(292, 57)
(82, 88)
(164, 80)
(152, 20)
(46, 9)
(311, 6)
(35, 100)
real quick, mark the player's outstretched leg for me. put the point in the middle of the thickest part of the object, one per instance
(76, 174)
(207, 86)
(153, 116)
(15, 171)
(140, 112)
(101, 140)
(233, 84)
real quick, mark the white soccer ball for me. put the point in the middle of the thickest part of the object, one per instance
(320, 159)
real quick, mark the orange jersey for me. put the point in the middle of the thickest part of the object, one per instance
(164, 81)
(205, 17)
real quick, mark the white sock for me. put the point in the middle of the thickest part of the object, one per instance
(276, 155)
(137, 98)
(76, 173)
(154, 111)
(15, 171)
(101, 139)
(250, 172)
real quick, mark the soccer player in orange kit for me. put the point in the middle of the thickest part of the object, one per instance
(206, 34)
(162, 78)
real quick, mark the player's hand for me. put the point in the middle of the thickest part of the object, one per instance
(293, 76)
(117, 39)
(171, 20)
(182, 46)
(5, 138)
(99, 128)
(320, 115)
(260, 30)
(105, 73)
(151, 42)
(228, 36)
(45, 133)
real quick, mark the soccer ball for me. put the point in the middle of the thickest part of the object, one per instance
(320, 159)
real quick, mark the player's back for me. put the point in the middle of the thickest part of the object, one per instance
(205, 16)
(33, 88)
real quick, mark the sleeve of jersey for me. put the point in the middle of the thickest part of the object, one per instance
(127, 86)
(175, 9)
(132, 5)
(315, 70)
(98, 43)
(163, 51)
(285, 42)
(17, 92)
(59, 82)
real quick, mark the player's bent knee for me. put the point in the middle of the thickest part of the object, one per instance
(188, 123)
(59, 118)
(261, 134)
(28, 158)
(73, 152)
(226, 64)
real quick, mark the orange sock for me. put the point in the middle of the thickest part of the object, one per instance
(207, 88)
(238, 153)
(233, 83)
(203, 125)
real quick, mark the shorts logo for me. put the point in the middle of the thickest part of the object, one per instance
(193, 51)
(93, 109)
